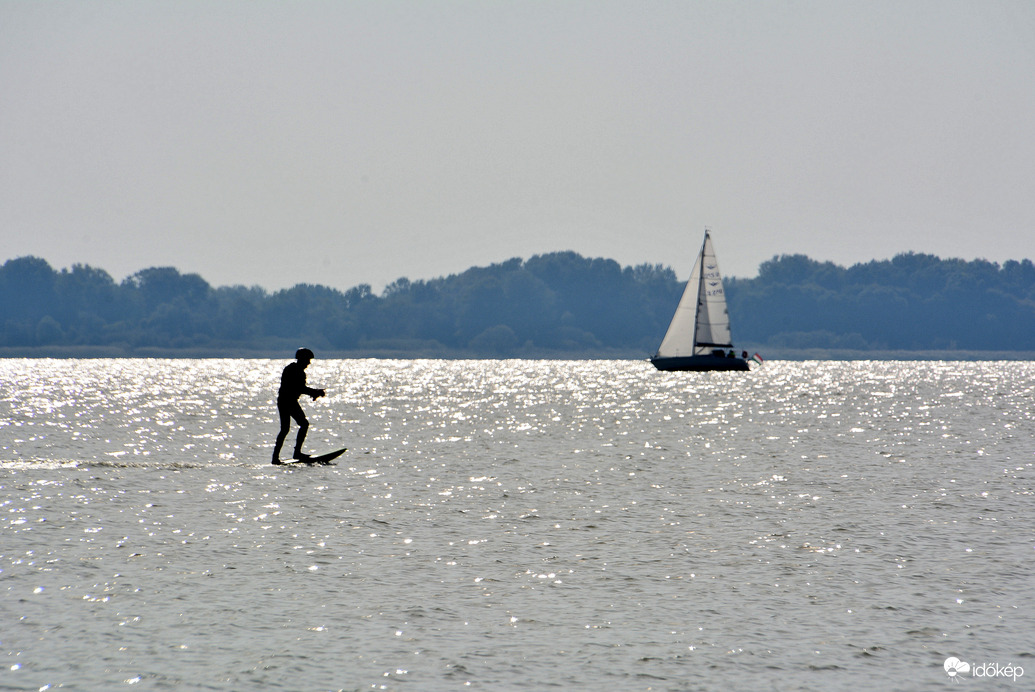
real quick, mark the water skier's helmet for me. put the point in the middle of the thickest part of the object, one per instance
(304, 353)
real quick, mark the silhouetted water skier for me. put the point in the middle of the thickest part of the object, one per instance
(292, 386)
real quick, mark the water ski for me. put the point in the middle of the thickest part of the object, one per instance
(324, 459)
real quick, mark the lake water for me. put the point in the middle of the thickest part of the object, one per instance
(518, 525)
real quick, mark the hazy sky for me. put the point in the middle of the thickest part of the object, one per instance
(340, 143)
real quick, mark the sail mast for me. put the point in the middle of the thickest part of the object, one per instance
(700, 293)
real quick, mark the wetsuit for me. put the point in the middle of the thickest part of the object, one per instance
(292, 386)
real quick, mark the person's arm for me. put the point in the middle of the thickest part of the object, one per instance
(306, 389)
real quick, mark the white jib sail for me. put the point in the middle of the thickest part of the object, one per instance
(701, 322)
(679, 339)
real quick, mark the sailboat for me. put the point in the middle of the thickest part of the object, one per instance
(698, 338)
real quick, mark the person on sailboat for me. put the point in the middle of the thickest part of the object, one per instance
(292, 386)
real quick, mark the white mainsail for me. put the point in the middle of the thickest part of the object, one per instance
(701, 323)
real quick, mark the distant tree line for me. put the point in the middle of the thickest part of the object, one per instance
(559, 303)
(911, 302)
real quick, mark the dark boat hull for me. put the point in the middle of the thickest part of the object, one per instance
(707, 363)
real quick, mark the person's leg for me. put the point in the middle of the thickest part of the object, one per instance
(285, 426)
(303, 428)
